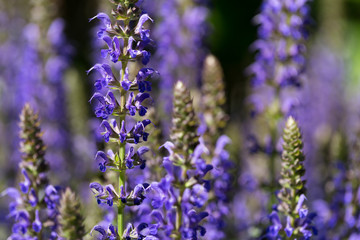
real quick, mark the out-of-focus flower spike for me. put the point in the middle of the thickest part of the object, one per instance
(185, 122)
(291, 195)
(37, 196)
(70, 218)
(213, 99)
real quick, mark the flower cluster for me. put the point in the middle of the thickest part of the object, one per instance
(179, 49)
(37, 200)
(280, 47)
(276, 77)
(292, 194)
(221, 177)
(178, 199)
(184, 185)
(280, 63)
(42, 57)
(213, 122)
(351, 198)
(118, 98)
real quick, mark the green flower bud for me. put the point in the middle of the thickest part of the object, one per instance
(70, 218)
(213, 99)
(185, 123)
(292, 172)
(32, 146)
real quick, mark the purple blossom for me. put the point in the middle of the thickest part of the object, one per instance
(142, 79)
(106, 104)
(106, 75)
(114, 50)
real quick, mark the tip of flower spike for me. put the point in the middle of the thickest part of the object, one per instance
(290, 121)
(179, 85)
(211, 60)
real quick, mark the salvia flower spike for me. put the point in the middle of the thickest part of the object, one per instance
(213, 99)
(213, 121)
(71, 220)
(292, 193)
(127, 40)
(36, 202)
(182, 49)
(276, 76)
(185, 122)
(179, 198)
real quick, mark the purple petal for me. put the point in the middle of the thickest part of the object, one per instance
(141, 22)
(142, 150)
(97, 186)
(104, 18)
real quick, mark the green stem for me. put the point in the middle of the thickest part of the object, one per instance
(276, 116)
(178, 205)
(178, 216)
(120, 218)
(122, 174)
(122, 177)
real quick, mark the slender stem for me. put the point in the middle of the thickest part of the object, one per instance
(178, 204)
(122, 174)
(178, 217)
(122, 180)
(120, 218)
(277, 116)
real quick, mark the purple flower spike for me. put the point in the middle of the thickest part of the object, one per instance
(137, 48)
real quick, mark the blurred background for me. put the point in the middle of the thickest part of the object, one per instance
(46, 47)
